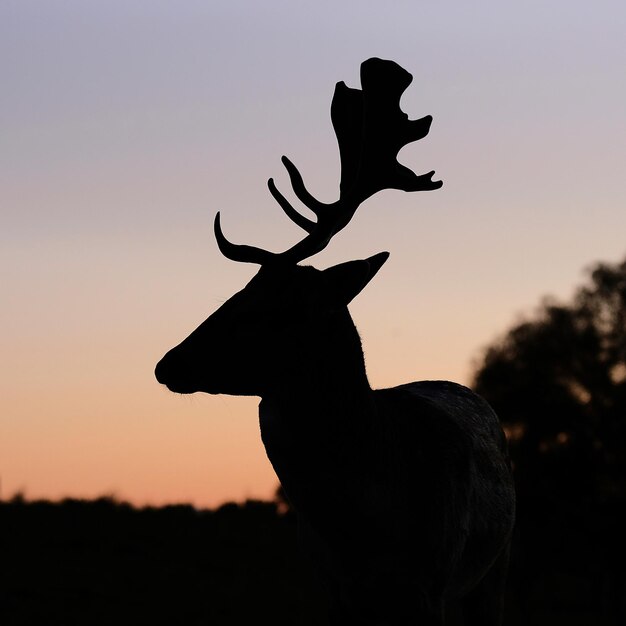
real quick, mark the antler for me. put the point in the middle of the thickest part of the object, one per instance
(371, 129)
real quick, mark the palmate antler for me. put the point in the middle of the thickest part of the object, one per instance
(371, 129)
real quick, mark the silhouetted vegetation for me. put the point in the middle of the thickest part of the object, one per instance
(105, 562)
(558, 383)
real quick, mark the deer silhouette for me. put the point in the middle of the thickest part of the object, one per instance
(404, 496)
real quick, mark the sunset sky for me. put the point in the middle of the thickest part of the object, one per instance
(125, 125)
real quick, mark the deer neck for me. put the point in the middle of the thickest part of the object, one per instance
(319, 418)
(322, 401)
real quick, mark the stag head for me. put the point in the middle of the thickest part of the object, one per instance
(241, 348)
(285, 315)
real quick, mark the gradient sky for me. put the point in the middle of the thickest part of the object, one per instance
(124, 126)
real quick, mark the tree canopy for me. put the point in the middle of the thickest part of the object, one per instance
(558, 382)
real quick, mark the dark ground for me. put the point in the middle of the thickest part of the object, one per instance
(105, 562)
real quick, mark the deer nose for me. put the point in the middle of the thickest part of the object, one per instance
(162, 370)
(168, 372)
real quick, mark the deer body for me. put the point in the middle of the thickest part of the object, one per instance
(422, 493)
(404, 495)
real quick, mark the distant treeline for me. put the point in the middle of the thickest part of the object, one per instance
(106, 562)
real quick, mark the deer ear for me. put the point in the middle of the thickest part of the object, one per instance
(346, 280)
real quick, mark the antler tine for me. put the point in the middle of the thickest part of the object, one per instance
(241, 253)
(309, 201)
(285, 205)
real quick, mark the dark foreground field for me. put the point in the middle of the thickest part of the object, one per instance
(105, 562)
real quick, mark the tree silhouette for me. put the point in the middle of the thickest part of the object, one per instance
(558, 382)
